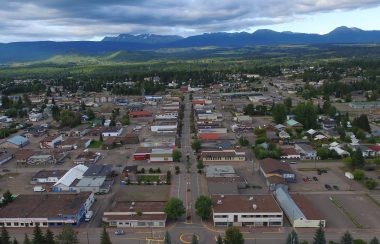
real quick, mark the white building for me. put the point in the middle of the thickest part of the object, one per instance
(113, 131)
(34, 117)
(162, 128)
(246, 210)
(48, 176)
(67, 180)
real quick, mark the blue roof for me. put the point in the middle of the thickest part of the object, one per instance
(18, 140)
(292, 122)
(288, 205)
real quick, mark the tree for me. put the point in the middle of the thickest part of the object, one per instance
(233, 236)
(203, 207)
(279, 112)
(7, 197)
(362, 123)
(194, 240)
(14, 241)
(55, 111)
(125, 119)
(249, 109)
(319, 237)
(358, 174)
(374, 241)
(4, 238)
(67, 236)
(49, 237)
(243, 141)
(38, 236)
(200, 165)
(357, 159)
(219, 240)
(288, 104)
(105, 237)
(292, 238)
(177, 155)
(174, 208)
(168, 177)
(346, 238)
(26, 239)
(371, 184)
(306, 114)
(323, 152)
(90, 114)
(69, 118)
(167, 238)
(196, 145)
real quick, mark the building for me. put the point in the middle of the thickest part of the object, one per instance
(87, 158)
(293, 124)
(329, 124)
(222, 179)
(46, 210)
(34, 117)
(276, 172)
(15, 142)
(290, 153)
(161, 155)
(97, 178)
(130, 214)
(112, 131)
(51, 141)
(139, 114)
(69, 180)
(5, 157)
(299, 210)
(48, 176)
(164, 128)
(365, 105)
(246, 210)
(306, 151)
(222, 156)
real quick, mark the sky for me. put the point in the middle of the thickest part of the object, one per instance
(68, 20)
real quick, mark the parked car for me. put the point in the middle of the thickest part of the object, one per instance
(328, 187)
(315, 178)
(293, 162)
(119, 232)
(336, 187)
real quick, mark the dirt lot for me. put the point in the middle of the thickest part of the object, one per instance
(334, 217)
(144, 193)
(17, 183)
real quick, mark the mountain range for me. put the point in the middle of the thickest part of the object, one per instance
(42, 50)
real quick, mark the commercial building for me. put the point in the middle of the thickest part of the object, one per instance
(51, 141)
(69, 180)
(15, 142)
(46, 210)
(130, 214)
(306, 151)
(276, 172)
(5, 157)
(222, 156)
(246, 210)
(112, 131)
(298, 209)
(48, 176)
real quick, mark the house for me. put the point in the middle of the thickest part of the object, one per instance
(5, 157)
(136, 214)
(22, 155)
(280, 127)
(112, 131)
(299, 210)
(272, 136)
(375, 149)
(366, 151)
(276, 172)
(34, 117)
(293, 124)
(35, 131)
(283, 135)
(48, 176)
(140, 114)
(46, 210)
(329, 124)
(96, 179)
(306, 151)
(222, 156)
(68, 181)
(80, 130)
(72, 143)
(15, 142)
(290, 153)
(51, 141)
(87, 158)
(246, 211)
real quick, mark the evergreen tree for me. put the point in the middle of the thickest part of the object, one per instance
(26, 240)
(319, 237)
(374, 241)
(105, 237)
(38, 237)
(292, 238)
(4, 238)
(167, 238)
(7, 197)
(219, 240)
(14, 241)
(49, 237)
(233, 236)
(357, 159)
(194, 240)
(346, 238)
(279, 112)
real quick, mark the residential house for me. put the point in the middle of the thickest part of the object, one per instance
(246, 211)
(34, 117)
(290, 153)
(276, 172)
(112, 131)
(329, 124)
(52, 141)
(293, 124)
(87, 158)
(5, 157)
(375, 149)
(306, 151)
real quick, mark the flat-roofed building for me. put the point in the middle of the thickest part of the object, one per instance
(222, 156)
(246, 210)
(139, 214)
(46, 210)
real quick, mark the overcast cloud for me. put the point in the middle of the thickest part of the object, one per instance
(23, 20)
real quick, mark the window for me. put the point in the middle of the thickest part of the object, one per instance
(9, 224)
(44, 224)
(15, 224)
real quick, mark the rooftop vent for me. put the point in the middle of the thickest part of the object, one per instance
(254, 206)
(222, 196)
(130, 208)
(133, 203)
(219, 202)
(250, 198)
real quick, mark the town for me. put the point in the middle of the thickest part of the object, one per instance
(252, 157)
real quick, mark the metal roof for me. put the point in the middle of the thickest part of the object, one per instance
(288, 205)
(18, 140)
(71, 175)
(98, 170)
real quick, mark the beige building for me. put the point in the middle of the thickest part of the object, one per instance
(222, 156)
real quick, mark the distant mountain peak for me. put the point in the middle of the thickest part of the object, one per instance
(146, 38)
(345, 29)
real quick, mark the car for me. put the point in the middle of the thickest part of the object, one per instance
(305, 179)
(309, 179)
(119, 232)
(336, 187)
(293, 162)
(328, 187)
(6, 170)
(315, 178)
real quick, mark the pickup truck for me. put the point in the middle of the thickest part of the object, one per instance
(88, 215)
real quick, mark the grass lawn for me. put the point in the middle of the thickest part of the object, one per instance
(149, 178)
(96, 144)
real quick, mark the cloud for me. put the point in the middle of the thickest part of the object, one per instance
(86, 19)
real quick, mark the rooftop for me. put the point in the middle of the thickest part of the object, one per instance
(143, 206)
(98, 170)
(18, 140)
(244, 204)
(270, 165)
(49, 173)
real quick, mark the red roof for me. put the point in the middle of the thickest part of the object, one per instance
(140, 113)
(375, 148)
(209, 136)
(201, 102)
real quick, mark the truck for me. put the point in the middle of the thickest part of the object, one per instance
(89, 215)
(39, 189)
